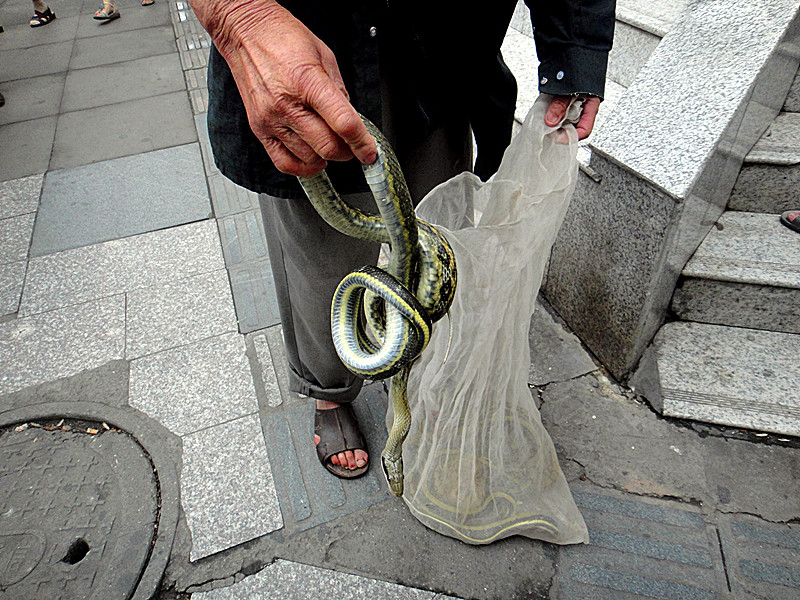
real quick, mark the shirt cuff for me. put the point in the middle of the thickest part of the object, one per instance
(574, 70)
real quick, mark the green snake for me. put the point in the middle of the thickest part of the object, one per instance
(421, 260)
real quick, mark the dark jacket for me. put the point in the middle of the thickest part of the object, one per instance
(449, 61)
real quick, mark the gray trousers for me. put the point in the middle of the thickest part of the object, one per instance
(309, 259)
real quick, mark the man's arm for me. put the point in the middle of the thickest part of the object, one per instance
(573, 39)
(290, 83)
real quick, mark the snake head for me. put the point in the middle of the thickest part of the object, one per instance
(393, 471)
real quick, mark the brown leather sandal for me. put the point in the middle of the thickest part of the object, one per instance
(338, 431)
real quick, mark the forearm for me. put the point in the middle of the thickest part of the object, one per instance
(573, 38)
(229, 21)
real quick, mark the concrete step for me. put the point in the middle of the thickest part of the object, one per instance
(746, 273)
(770, 177)
(729, 376)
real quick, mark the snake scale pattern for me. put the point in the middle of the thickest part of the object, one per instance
(400, 303)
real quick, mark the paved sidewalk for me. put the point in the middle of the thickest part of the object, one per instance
(135, 293)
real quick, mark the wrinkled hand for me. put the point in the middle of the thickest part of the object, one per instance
(558, 110)
(290, 84)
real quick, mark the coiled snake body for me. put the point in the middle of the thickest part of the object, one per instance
(401, 321)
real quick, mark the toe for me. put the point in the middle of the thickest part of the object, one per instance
(349, 460)
(361, 458)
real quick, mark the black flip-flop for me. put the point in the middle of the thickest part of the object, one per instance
(338, 431)
(791, 218)
(40, 19)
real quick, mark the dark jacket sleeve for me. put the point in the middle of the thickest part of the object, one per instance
(573, 38)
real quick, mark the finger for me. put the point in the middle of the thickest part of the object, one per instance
(329, 102)
(288, 163)
(298, 145)
(319, 136)
(588, 115)
(556, 111)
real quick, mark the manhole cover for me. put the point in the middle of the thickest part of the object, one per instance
(79, 511)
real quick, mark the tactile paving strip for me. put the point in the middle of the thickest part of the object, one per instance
(308, 494)
(763, 559)
(641, 548)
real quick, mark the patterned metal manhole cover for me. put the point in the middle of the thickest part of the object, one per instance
(79, 510)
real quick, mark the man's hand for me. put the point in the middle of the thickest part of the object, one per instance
(290, 83)
(558, 110)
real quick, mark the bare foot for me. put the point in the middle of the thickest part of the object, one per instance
(350, 459)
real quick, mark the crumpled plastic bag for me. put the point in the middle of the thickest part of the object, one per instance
(479, 464)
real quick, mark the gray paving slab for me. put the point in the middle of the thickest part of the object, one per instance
(556, 353)
(15, 237)
(12, 275)
(229, 198)
(133, 16)
(180, 312)
(146, 260)
(19, 34)
(143, 125)
(35, 61)
(28, 99)
(242, 237)
(121, 47)
(309, 495)
(61, 343)
(123, 81)
(762, 558)
(195, 386)
(227, 489)
(121, 197)
(26, 147)
(20, 196)
(254, 296)
(640, 548)
(287, 580)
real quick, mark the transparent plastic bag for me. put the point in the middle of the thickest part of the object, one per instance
(479, 464)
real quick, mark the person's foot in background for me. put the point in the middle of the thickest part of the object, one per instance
(42, 15)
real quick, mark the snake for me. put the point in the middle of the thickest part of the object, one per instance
(399, 303)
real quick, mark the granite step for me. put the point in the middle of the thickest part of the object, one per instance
(746, 273)
(729, 376)
(770, 177)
